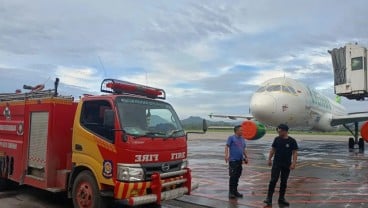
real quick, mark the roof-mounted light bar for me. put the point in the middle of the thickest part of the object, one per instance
(122, 87)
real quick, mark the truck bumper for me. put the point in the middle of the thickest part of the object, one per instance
(163, 187)
(152, 198)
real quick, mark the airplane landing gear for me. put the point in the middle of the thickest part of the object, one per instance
(361, 144)
(355, 140)
(351, 143)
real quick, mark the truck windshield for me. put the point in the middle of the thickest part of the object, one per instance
(143, 117)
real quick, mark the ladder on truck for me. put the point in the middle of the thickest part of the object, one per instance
(33, 94)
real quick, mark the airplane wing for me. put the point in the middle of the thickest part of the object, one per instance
(232, 117)
(351, 118)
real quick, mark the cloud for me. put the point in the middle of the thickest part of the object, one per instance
(87, 79)
(208, 55)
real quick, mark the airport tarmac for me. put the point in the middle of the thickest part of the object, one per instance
(327, 175)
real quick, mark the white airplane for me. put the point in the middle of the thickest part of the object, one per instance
(285, 100)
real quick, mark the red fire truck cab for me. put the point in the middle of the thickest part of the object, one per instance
(126, 144)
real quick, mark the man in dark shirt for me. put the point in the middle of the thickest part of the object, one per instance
(235, 155)
(284, 150)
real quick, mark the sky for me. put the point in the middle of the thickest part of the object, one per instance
(209, 56)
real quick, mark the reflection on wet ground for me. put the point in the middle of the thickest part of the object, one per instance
(327, 175)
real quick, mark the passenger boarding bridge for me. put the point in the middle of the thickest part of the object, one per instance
(350, 71)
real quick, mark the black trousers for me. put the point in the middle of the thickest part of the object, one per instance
(235, 171)
(277, 170)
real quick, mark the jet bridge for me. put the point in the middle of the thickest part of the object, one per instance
(350, 71)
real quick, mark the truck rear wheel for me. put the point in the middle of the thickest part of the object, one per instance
(4, 182)
(85, 191)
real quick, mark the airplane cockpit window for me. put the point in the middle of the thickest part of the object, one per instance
(261, 89)
(286, 89)
(273, 88)
(292, 90)
(277, 88)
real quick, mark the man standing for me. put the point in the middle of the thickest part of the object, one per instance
(235, 155)
(284, 148)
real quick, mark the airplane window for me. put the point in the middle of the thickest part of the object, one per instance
(261, 89)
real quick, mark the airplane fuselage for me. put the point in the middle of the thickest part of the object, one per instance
(285, 100)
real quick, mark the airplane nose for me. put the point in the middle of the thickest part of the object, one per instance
(262, 106)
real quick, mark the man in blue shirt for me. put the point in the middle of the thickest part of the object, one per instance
(235, 155)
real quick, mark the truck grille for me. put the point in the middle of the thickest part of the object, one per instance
(165, 167)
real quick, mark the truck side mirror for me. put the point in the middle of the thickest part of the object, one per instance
(109, 119)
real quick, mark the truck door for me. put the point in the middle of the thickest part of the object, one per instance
(92, 118)
(37, 143)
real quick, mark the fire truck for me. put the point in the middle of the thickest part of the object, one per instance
(126, 145)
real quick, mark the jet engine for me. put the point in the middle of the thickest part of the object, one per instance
(253, 130)
(364, 131)
(324, 123)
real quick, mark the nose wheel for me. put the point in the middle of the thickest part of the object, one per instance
(355, 142)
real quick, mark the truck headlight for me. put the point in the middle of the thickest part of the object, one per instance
(130, 173)
(184, 164)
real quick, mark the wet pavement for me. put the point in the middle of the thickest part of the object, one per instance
(327, 175)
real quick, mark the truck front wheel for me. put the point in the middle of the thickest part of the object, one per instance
(85, 191)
